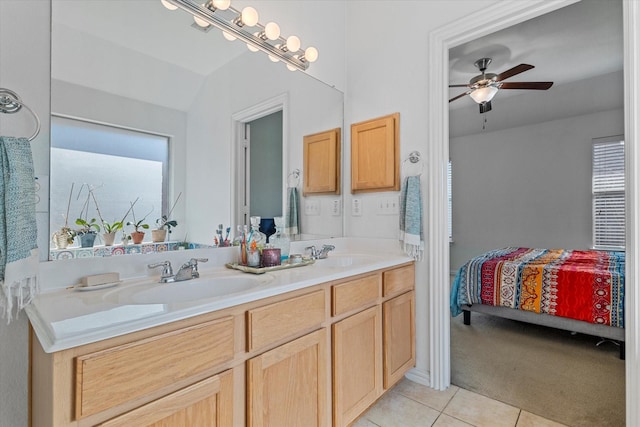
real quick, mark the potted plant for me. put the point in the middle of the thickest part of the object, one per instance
(109, 235)
(164, 224)
(137, 236)
(64, 237)
(87, 232)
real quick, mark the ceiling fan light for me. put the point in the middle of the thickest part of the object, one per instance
(484, 94)
(168, 5)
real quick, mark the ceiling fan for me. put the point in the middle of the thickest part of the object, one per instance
(483, 88)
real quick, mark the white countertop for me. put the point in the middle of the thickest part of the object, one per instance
(63, 318)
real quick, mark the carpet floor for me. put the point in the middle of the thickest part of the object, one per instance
(548, 372)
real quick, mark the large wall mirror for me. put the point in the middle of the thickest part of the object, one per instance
(176, 101)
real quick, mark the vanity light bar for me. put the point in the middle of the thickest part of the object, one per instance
(230, 22)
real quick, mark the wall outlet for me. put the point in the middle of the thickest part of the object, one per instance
(336, 208)
(388, 205)
(312, 207)
(356, 207)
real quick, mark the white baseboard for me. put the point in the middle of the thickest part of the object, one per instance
(419, 376)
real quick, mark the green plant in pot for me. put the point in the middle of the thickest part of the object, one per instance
(137, 235)
(164, 225)
(87, 232)
(65, 235)
(110, 229)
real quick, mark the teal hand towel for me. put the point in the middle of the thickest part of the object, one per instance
(292, 218)
(411, 232)
(18, 231)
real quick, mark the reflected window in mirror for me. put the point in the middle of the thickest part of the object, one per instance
(121, 165)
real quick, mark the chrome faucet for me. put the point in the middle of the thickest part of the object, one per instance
(188, 270)
(319, 254)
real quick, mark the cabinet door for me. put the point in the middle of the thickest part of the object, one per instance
(321, 169)
(208, 403)
(399, 337)
(357, 364)
(375, 150)
(288, 386)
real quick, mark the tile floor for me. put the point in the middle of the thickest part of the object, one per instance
(410, 404)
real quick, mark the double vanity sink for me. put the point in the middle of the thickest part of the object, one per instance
(144, 352)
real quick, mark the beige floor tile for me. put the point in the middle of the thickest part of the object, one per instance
(445, 420)
(481, 411)
(363, 422)
(528, 419)
(426, 395)
(396, 410)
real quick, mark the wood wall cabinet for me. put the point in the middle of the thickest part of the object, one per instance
(375, 151)
(321, 169)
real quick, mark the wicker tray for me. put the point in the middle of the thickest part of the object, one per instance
(261, 270)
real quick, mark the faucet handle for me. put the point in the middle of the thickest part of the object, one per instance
(195, 261)
(327, 248)
(311, 249)
(167, 270)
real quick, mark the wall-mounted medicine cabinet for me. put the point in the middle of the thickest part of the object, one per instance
(322, 163)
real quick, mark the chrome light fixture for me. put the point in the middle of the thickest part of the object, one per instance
(242, 25)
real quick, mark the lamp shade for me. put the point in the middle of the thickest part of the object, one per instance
(484, 94)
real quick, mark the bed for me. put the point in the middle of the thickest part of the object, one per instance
(574, 290)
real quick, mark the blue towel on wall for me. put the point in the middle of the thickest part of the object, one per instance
(411, 233)
(18, 231)
(292, 218)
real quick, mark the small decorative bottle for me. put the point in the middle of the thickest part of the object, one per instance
(256, 235)
(280, 239)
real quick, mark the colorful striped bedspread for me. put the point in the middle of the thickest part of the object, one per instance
(582, 285)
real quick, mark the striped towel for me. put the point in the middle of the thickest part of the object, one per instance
(411, 234)
(18, 231)
(292, 227)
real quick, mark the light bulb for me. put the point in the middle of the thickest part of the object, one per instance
(251, 48)
(228, 36)
(249, 16)
(273, 58)
(291, 68)
(168, 5)
(311, 54)
(222, 4)
(272, 31)
(201, 22)
(293, 43)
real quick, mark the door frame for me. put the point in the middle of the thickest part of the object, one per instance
(499, 16)
(238, 122)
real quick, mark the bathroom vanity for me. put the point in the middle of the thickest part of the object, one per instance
(310, 346)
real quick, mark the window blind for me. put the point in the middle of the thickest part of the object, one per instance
(449, 197)
(608, 185)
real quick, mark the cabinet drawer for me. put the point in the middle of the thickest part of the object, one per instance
(273, 322)
(110, 377)
(398, 280)
(355, 294)
(207, 403)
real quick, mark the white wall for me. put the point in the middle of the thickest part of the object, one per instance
(527, 186)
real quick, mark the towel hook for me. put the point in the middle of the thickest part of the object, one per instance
(296, 175)
(415, 157)
(11, 103)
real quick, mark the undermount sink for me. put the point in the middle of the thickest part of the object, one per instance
(347, 260)
(185, 291)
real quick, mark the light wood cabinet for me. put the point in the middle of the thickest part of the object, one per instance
(312, 357)
(321, 157)
(399, 337)
(208, 403)
(288, 386)
(375, 151)
(357, 364)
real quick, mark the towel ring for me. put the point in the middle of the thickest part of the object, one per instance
(296, 175)
(415, 157)
(11, 103)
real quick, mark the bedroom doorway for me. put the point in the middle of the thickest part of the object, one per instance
(461, 32)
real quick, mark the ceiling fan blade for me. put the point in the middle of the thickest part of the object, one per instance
(527, 85)
(459, 96)
(513, 71)
(458, 85)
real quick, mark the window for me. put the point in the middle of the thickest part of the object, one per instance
(608, 193)
(120, 164)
